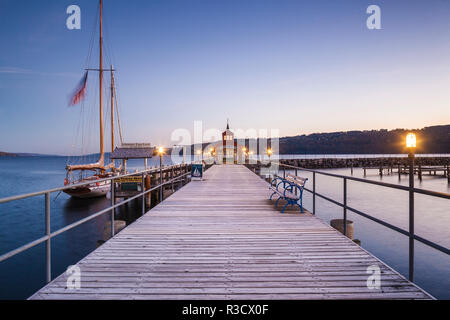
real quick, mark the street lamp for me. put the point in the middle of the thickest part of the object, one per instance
(244, 153)
(212, 153)
(411, 145)
(410, 140)
(269, 152)
(160, 152)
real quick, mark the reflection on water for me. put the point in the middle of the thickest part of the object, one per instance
(23, 221)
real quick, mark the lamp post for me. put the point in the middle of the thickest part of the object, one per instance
(160, 152)
(269, 153)
(244, 153)
(411, 145)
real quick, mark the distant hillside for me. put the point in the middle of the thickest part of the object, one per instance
(435, 139)
(37, 155)
(6, 154)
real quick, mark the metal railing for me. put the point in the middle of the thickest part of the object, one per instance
(111, 209)
(409, 233)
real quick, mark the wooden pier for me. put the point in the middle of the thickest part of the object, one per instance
(222, 238)
(418, 169)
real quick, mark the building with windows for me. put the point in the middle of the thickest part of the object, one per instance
(227, 151)
(229, 146)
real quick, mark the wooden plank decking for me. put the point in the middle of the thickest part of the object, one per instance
(222, 239)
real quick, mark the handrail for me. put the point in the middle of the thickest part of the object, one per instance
(379, 183)
(412, 236)
(49, 235)
(39, 193)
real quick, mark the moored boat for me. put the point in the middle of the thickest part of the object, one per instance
(76, 174)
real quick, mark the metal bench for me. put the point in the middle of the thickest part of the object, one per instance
(290, 189)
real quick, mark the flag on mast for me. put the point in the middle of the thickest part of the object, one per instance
(79, 92)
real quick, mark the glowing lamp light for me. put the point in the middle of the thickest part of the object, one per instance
(161, 150)
(411, 140)
(269, 151)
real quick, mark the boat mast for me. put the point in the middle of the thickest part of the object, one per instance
(101, 84)
(112, 109)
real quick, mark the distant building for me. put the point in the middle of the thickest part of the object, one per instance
(229, 146)
(133, 151)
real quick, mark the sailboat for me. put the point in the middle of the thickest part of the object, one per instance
(76, 174)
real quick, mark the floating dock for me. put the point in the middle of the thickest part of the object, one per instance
(221, 238)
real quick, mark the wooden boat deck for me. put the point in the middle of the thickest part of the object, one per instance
(222, 238)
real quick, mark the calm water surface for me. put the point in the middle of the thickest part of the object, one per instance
(23, 221)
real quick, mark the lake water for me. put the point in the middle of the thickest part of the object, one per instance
(23, 221)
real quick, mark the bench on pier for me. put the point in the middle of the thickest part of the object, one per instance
(290, 189)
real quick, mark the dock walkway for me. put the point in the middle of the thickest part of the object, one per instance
(222, 238)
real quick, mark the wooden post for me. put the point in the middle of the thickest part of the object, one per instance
(177, 174)
(148, 186)
(143, 187)
(172, 172)
(155, 178)
(124, 165)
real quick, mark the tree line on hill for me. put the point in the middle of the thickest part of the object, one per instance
(435, 139)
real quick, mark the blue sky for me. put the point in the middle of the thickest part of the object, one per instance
(299, 66)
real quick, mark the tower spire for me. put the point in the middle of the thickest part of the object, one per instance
(228, 124)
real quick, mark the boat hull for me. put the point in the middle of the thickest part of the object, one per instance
(89, 191)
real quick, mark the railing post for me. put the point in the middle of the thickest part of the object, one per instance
(143, 194)
(314, 192)
(48, 248)
(296, 189)
(160, 183)
(113, 202)
(172, 173)
(411, 216)
(345, 206)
